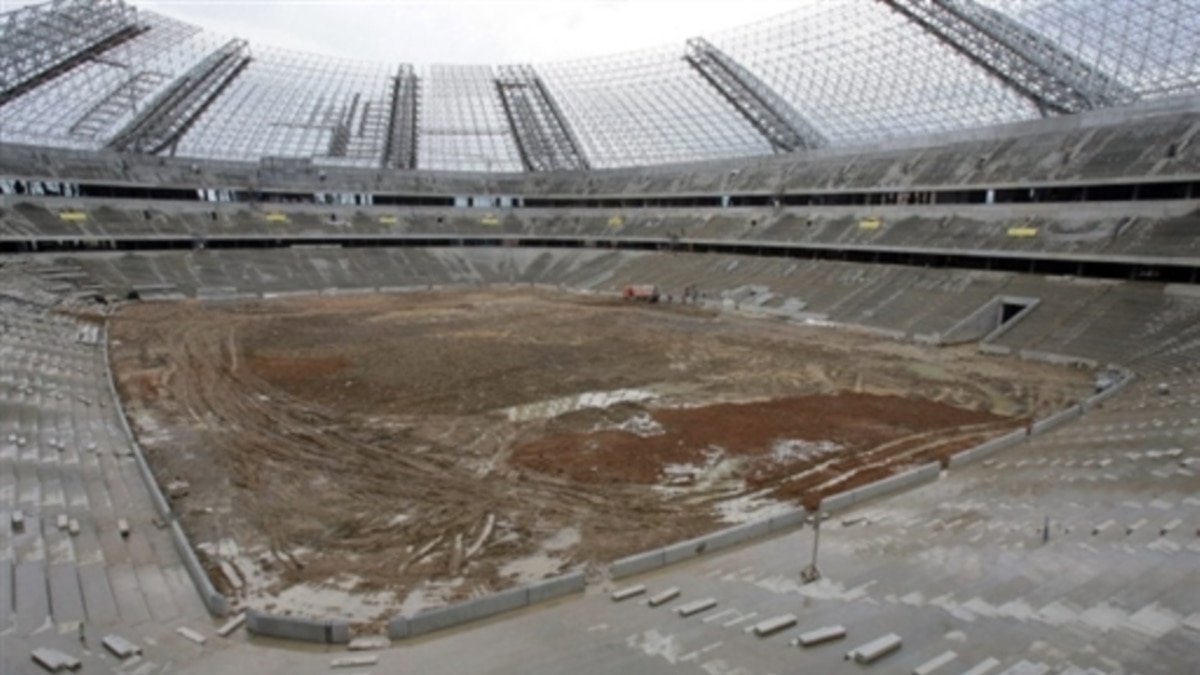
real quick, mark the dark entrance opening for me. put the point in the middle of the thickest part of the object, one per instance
(1008, 310)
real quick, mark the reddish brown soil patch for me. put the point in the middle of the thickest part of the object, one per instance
(857, 422)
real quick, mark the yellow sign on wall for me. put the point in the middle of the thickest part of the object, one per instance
(74, 216)
(388, 220)
(489, 220)
(277, 218)
(872, 223)
(616, 221)
(1022, 231)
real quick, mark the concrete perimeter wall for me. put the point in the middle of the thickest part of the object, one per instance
(988, 448)
(323, 631)
(1056, 420)
(1044, 425)
(900, 481)
(217, 604)
(721, 539)
(401, 627)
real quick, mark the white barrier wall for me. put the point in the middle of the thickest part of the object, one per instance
(1057, 420)
(721, 539)
(401, 627)
(922, 474)
(988, 448)
(1042, 426)
(638, 563)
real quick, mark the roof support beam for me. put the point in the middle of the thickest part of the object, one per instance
(42, 42)
(1056, 81)
(768, 112)
(545, 141)
(400, 145)
(169, 116)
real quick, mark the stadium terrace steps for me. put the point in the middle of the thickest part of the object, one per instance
(64, 458)
(1091, 319)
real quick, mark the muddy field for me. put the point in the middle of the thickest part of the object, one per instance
(360, 455)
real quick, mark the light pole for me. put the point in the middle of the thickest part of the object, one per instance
(812, 573)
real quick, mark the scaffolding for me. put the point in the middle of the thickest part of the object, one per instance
(95, 74)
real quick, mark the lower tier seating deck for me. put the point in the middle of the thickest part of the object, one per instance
(80, 543)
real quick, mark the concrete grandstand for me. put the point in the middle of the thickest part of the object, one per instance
(1020, 241)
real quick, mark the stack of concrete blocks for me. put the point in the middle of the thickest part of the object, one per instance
(401, 627)
(900, 481)
(301, 629)
(722, 539)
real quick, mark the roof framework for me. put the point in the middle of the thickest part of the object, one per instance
(544, 139)
(40, 45)
(1053, 79)
(648, 108)
(779, 123)
(400, 150)
(95, 73)
(463, 126)
(164, 121)
(288, 104)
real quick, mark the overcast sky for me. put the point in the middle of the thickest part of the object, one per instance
(464, 31)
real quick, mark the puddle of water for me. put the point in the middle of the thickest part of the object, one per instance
(310, 600)
(717, 471)
(795, 448)
(562, 540)
(639, 425)
(751, 507)
(544, 563)
(533, 568)
(428, 595)
(559, 406)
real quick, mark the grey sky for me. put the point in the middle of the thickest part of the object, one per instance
(464, 31)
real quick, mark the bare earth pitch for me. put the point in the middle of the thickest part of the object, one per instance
(362, 455)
